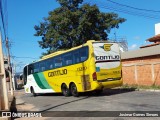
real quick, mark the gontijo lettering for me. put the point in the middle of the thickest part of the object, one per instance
(116, 57)
(57, 73)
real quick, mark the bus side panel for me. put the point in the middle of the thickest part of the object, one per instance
(77, 74)
(38, 83)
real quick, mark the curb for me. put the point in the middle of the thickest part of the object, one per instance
(150, 90)
(19, 102)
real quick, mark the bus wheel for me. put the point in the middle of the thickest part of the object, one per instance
(65, 90)
(33, 92)
(74, 91)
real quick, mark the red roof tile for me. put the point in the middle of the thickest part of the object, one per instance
(154, 44)
(154, 39)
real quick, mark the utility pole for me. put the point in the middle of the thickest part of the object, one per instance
(10, 68)
(3, 88)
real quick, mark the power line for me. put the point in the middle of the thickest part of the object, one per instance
(4, 20)
(2, 17)
(6, 15)
(133, 7)
(127, 10)
(24, 57)
(3, 44)
(147, 10)
(150, 16)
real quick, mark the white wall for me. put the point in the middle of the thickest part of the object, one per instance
(157, 28)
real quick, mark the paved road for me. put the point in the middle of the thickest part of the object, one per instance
(109, 100)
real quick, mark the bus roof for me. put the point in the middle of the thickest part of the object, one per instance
(64, 51)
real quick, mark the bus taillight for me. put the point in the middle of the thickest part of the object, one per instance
(94, 75)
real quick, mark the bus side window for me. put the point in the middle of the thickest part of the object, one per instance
(49, 64)
(68, 62)
(30, 69)
(58, 62)
(36, 67)
(83, 58)
(84, 53)
(76, 57)
(42, 66)
(68, 59)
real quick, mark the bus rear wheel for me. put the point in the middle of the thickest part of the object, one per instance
(65, 90)
(74, 91)
(33, 92)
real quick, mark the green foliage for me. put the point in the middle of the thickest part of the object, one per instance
(73, 24)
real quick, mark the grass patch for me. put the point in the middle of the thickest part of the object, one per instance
(155, 87)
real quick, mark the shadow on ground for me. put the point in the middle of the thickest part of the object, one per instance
(82, 96)
(106, 92)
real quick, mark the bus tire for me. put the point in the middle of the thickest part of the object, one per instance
(74, 91)
(65, 90)
(33, 92)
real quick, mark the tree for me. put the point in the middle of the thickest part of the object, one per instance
(73, 24)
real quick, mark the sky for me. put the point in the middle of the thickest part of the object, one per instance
(23, 15)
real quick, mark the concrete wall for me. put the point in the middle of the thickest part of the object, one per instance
(142, 71)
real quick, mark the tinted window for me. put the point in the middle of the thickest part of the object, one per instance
(73, 57)
(76, 57)
(83, 54)
(58, 62)
(36, 67)
(68, 59)
(42, 66)
(30, 69)
(48, 63)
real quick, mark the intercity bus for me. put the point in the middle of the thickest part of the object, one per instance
(93, 66)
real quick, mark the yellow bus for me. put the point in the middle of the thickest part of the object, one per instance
(93, 66)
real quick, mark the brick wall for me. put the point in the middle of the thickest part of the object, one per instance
(141, 71)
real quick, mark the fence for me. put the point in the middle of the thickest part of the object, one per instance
(141, 73)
